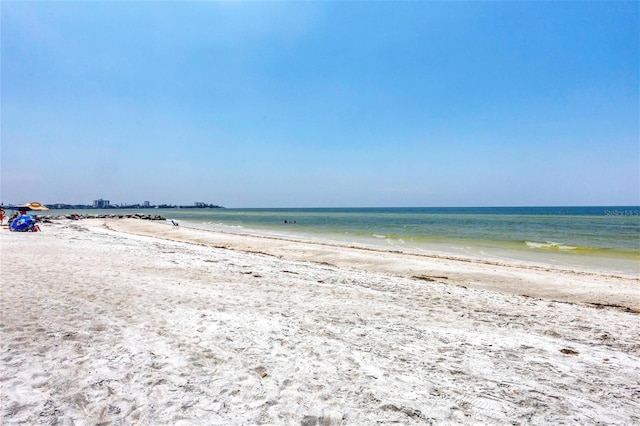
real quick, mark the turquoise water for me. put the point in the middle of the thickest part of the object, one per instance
(604, 237)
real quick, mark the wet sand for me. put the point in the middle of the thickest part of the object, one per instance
(129, 321)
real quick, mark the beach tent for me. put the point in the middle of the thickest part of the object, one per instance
(23, 223)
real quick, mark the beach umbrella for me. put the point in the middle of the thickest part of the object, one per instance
(34, 205)
(23, 223)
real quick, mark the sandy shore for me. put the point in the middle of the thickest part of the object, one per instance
(135, 322)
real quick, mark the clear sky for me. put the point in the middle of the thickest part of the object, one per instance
(321, 104)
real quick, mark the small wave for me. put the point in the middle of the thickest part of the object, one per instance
(223, 225)
(378, 236)
(550, 245)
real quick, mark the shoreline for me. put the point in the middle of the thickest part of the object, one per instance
(129, 321)
(442, 250)
(575, 236)
(567, 255)
(544, 281)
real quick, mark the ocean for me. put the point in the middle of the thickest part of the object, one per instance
(605, 238)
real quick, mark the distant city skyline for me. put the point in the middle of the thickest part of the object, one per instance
(106, 204)
(321, 104)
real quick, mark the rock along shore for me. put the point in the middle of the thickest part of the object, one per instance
(77, 216)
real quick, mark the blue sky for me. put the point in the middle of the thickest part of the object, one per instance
(321, 104)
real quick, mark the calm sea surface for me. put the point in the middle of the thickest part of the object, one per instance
(601, 237)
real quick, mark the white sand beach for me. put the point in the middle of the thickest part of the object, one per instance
(138, 322)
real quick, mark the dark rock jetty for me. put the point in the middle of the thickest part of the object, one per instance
(103, 216)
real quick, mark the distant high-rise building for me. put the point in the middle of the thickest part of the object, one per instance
(146, 204)
(101, 204)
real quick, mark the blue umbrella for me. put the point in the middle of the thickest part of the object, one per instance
(23, 223)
